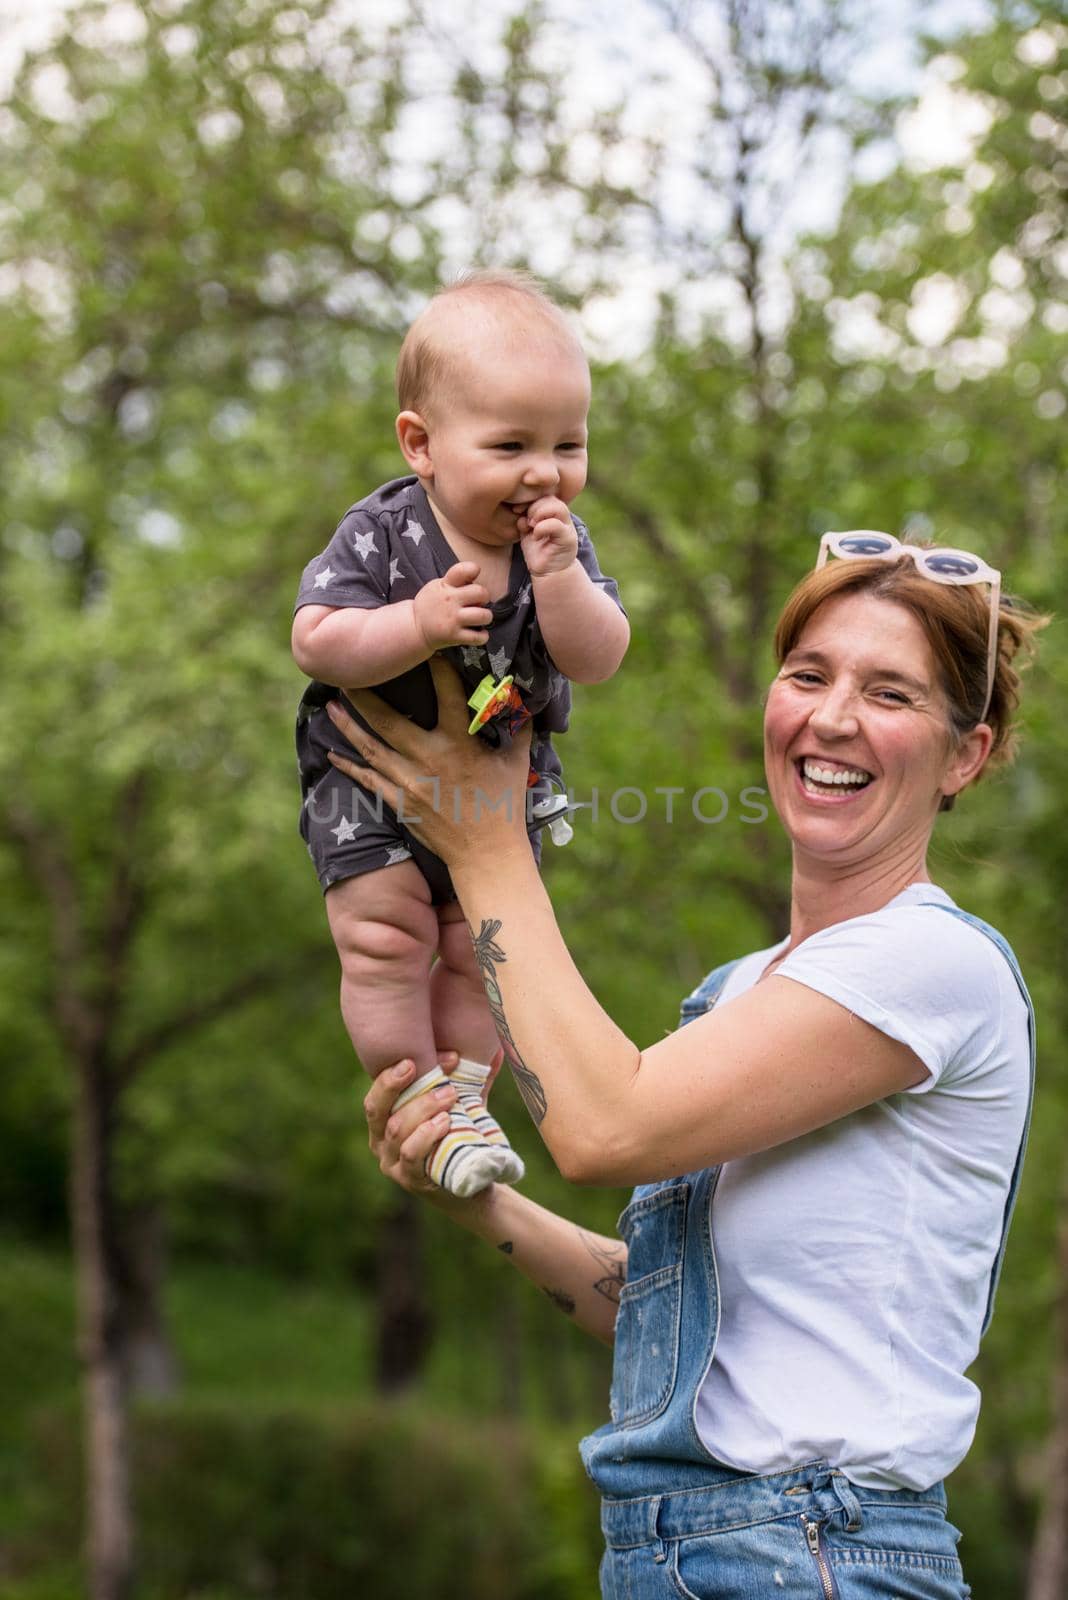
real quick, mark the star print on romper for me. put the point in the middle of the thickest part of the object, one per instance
(365, 544)
(345, 830)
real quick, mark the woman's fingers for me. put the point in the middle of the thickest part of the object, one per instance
(379, 1100)
(376, 710)
(416, 1148)
(454, 716)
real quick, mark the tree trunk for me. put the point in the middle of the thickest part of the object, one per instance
(109, 1532)
(403, 1329)
(151, 1364)
(1048, 1578)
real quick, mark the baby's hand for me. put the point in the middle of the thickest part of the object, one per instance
(453, 609)
(548, 537)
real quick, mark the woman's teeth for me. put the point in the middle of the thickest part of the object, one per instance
(829, 780)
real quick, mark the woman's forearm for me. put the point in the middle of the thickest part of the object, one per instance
(582, 1273)
(574, 1067)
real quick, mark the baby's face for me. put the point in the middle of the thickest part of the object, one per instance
(510, 430)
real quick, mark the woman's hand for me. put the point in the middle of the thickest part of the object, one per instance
(461, 798)
(402, 1141)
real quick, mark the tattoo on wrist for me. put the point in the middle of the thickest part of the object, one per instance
(489, 955)
(613, 1258)
(562, 1301)
(506, 1246)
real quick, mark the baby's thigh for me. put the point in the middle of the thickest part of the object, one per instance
(455, 948)
(382, 912)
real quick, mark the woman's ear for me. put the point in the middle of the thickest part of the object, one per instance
(414, 440)
(968, 759)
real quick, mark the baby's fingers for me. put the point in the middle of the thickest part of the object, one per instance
(475, 616)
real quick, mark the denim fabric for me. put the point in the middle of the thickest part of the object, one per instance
(679, 1523)
(806, 1534)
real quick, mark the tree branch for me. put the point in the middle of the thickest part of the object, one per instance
(247, 987)
(712, 629)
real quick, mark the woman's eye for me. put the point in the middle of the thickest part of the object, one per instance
(892, 696)
(805, 677)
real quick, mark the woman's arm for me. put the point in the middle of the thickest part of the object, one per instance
(778, 1062)
(581, 1273)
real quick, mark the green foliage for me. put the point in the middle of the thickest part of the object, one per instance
(212, 239)
(372, 1500)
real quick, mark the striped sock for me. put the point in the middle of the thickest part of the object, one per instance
(463, 1162)
(470, 1081)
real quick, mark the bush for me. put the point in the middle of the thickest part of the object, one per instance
(382, 1501)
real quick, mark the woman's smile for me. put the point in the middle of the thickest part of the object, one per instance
(829, 782)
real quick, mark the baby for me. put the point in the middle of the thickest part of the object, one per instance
(475, 556)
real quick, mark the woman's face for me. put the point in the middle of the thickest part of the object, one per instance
(857, 742)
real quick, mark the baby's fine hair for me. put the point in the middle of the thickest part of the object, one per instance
(506, 299)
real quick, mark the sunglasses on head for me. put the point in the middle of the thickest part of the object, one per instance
(940, 563)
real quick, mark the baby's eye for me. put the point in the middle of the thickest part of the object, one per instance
(509, 445)
(571, 444)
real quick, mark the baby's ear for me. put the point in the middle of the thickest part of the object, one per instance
(414, 440)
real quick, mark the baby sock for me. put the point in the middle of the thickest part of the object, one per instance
(463, 1163)
(470, 1080)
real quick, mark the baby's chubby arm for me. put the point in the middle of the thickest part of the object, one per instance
(356, 648)
(584, 630)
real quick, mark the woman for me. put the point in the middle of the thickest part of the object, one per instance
(800, 1306)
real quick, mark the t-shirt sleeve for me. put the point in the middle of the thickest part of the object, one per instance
(587, 557)
(918, 975)
(353, 570)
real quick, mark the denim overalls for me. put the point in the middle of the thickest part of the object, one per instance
(675, 1521)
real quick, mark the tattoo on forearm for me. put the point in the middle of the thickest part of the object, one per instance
(562, 1301)
(613, 1258)
(506, 1246)
(490, 955)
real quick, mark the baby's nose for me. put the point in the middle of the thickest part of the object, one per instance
(542, 469)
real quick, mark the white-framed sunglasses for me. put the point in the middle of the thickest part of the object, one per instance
(940, 563)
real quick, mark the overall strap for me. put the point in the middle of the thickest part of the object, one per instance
(707, 993)
(1005, 949)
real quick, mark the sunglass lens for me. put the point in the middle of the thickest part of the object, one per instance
(951, 565)
(863, 544)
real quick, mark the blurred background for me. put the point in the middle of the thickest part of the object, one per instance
(817, 252)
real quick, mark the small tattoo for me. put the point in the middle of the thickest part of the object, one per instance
(506, 1246)
(489, 955)
(562, 1301)
(613, 1259)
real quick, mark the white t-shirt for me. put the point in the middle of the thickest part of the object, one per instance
(854, 1263)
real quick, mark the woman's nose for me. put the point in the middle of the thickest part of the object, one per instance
(835, 716)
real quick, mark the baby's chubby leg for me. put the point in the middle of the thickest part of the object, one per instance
(461, 1013)
(386, 933)
(463, 1022)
